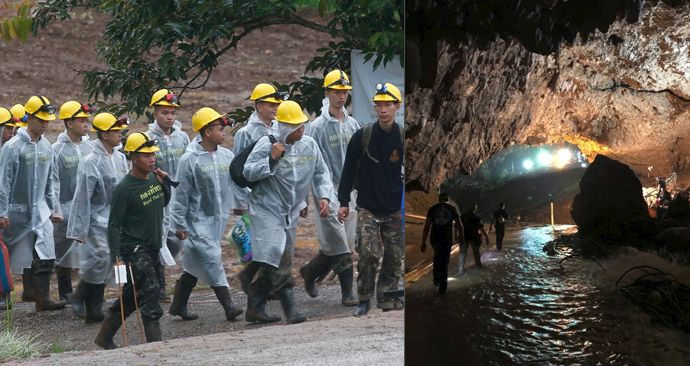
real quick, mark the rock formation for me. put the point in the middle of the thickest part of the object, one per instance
(619, 87)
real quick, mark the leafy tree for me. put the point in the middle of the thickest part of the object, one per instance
(177, 43)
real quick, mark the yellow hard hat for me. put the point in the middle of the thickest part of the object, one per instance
(265, 92)
(206, 115)
(19, 115)
(73, 109)
(291, 113)
(40, 107)
(337, 79)
(140, 142)
(164, 97)
(108, 122)
(387, 93)
(6, 118)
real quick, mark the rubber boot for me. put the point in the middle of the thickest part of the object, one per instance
(94, 303)
(256, 310)
(223, 295)
(152, 330)
(77, 302)
(247, 275)
(362, 308)
(317, 267)
(64, 281)
(162, 297)
(287, 301)
(28, 283)
(42, 292)
(345, 278)
(109, 327)
(183, 289)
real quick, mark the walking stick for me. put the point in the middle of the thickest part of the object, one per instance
(122, 305)
(140, 323)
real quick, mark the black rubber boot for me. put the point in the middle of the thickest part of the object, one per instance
(183, 289)
(109, 327)
(256, 310)
(152, 330)
(247, 275)
(223, 295)
(42, 292)
(77, 302)
(94, 303)
(64, 281)
(362, 308)
(287, 301)
(162, 297)
(28, 283)
(345, 278)
(317, 267)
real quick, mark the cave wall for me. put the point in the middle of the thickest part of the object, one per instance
(626, 90)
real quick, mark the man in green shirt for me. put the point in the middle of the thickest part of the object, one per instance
(135, 232)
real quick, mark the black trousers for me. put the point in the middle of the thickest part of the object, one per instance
(441, 258)
(500, 233)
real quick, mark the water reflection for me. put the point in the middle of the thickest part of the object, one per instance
(522, 309)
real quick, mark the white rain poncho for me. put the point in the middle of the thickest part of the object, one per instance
(201, 206)
(66, 158)
(172, 147)
(27, 199)
(97, 176)
(280, 194)
(245, 136)
(333, 137)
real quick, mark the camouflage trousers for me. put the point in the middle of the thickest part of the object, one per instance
(379, 238)
(145, 266)
(270, 279)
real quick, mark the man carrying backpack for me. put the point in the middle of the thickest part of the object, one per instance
(375, 158)
(439, 219)
(285, 172)
(266, 98)
(474, 228)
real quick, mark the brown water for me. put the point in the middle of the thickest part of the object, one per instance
(522, 309)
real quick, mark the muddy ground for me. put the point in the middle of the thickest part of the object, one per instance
(48, 63)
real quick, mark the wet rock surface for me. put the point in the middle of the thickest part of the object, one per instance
(621, 91)
(610, 204)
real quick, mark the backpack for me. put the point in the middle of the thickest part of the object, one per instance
(237, 165)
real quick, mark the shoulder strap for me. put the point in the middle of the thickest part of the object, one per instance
(272, 138)
(366, 138)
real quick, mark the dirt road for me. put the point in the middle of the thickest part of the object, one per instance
(376, 339)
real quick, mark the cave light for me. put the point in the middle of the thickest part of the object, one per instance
(544, 158)
(563, 157)
(528, 164)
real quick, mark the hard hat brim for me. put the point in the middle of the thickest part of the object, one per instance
(165, 104)
(269, 100)
(45, 116)
(340, 87)
(81, 114)
(151, 149)
(21, 124)
(384, 98)
(295, 122)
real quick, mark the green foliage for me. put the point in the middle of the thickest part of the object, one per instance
(19, 26)
(178, 43)
(16, 346)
